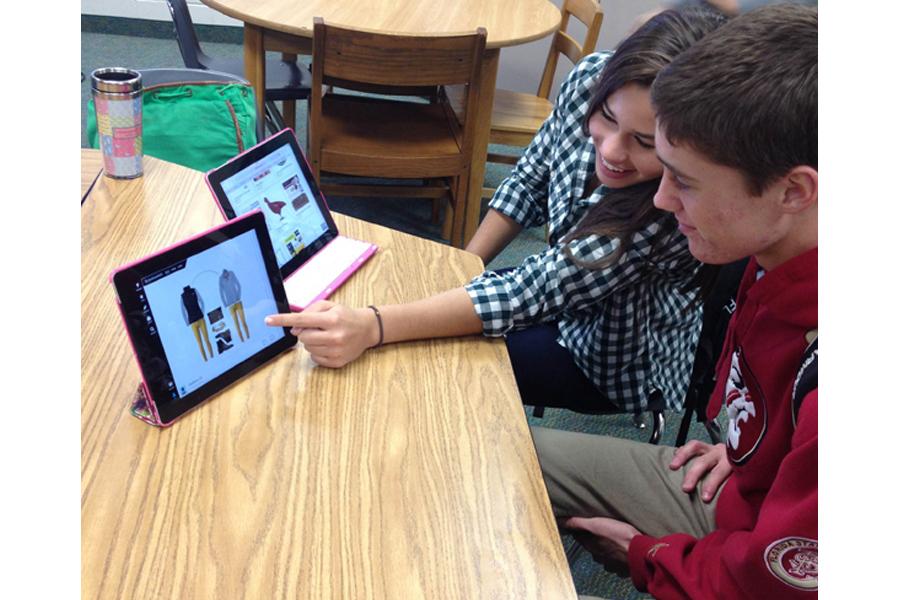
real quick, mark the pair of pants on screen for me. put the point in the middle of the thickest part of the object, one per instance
(199, 328)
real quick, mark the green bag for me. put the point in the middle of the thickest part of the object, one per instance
(200, 125)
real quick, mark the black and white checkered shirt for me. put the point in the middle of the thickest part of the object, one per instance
(629, 327)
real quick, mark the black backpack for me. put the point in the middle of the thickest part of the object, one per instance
(718, 307)
(808, 375)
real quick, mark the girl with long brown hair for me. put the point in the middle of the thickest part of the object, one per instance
(605, 318)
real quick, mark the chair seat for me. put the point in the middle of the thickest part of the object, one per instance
(410, 140)
(284, 80)
(519, 113)
(515, 116)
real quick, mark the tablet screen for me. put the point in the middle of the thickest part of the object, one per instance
(196, 313)
(273, 178)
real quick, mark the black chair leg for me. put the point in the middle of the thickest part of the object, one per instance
(538, 412)
(685, 426)
(715, 434)
(274, 121)
(659, 426)
(712, 427)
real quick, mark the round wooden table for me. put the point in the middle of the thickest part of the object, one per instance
(286, 26)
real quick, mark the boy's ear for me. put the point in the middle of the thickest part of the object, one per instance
(801, 189)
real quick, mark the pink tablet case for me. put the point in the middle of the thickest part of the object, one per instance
(343, 275)
(142, 405)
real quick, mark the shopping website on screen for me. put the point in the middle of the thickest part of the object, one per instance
(276, 185)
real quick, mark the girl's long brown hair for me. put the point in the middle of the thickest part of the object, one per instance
(623, 212)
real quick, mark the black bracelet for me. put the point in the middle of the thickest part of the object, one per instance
(380, 326)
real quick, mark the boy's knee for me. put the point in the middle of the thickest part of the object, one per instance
(591, 456)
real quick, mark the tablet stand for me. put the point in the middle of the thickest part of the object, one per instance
(140, 408)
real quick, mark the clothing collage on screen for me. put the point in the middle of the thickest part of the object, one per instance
(209, 311)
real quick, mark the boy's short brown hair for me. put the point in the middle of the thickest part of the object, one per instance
(746, 95)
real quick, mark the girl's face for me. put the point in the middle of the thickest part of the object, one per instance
(622, 131)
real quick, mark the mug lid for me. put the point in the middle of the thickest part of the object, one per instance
(116, 80)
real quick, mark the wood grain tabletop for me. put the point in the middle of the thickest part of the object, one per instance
(407, 474)
(91, 165)
(508, 22)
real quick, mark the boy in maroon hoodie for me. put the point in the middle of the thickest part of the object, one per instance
(737, 134)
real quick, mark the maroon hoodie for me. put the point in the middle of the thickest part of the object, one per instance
(766, 540)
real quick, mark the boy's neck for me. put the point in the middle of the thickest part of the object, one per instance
(803, 237)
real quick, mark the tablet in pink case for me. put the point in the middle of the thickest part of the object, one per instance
(195, 316)
(274, 177)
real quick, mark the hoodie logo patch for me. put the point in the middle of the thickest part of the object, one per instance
(795, 561)
(746, 410)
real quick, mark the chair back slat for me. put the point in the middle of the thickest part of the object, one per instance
(566, 44)
(397, 60)
(583, 10)
(591, 15)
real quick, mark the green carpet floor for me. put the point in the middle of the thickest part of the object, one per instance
(117, 42)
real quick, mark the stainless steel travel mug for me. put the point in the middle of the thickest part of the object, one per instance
(117, 102)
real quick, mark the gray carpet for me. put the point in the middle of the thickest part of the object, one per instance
(102, 47)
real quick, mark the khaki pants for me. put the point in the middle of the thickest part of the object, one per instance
(600, 476)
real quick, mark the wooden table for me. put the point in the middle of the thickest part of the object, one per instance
(91, 165)
(286, 26)
(408, 474)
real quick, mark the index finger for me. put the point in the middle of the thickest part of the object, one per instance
(300, 320)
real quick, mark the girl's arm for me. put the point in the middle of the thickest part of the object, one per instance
(335, 335)
(494, 234)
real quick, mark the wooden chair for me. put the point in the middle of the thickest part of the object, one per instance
(389, 138)
(516, 117)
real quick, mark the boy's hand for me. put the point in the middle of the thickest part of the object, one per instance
(707, 462)
(606, 539)
(334, 335)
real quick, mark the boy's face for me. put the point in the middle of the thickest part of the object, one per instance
(721, 219)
